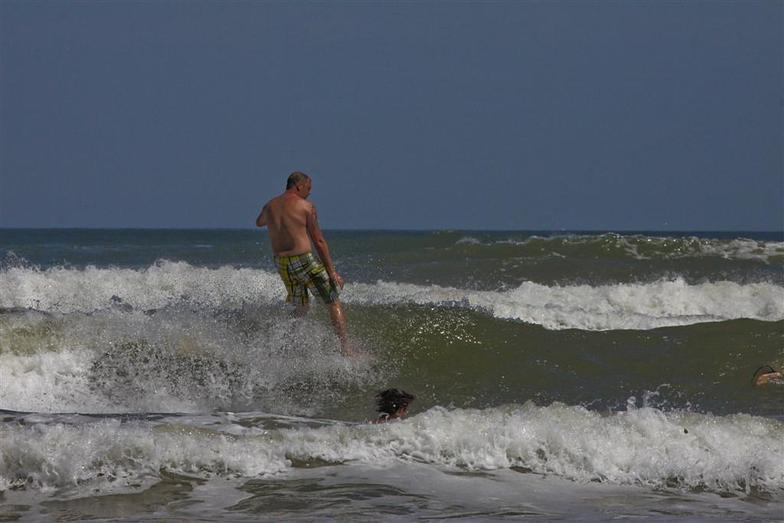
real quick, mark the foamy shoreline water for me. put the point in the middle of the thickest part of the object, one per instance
(646, 447)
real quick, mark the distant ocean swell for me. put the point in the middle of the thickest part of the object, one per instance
(667, 302)
(638, 247)
(646, 446)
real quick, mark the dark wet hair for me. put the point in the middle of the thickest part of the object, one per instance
(391, 400)
(295, 178)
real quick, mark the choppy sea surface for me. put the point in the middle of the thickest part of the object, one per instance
(158, 375)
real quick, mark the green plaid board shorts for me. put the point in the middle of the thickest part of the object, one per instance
(304, 271)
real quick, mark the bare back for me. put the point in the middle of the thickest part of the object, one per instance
(286, 218)
(294, 230)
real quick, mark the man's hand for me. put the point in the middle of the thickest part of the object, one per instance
(334, 276)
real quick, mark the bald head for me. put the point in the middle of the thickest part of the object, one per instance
(296, 178)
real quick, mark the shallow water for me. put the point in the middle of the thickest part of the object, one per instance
(157, 375)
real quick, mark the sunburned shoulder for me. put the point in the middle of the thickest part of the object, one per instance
(308, 207)
(277, 200)
(290, 202)
(294, 200)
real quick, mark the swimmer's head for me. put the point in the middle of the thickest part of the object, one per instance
(394, 403)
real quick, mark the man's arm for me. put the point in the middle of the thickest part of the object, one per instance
(316, 236)
(261, 221)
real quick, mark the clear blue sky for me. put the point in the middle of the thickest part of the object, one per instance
(487, 115)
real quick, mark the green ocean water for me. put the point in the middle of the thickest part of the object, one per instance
(573, 355)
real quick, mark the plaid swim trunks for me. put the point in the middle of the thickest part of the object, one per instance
(301, 272)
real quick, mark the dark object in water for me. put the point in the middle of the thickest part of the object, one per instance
(393, 403)
(765, 377)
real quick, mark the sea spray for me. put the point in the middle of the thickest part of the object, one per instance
(175, 360)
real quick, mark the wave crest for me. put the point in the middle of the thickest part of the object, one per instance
(637, 447)
(604, 307)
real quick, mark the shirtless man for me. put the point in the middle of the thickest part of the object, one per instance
(771, 374)
(293, 225)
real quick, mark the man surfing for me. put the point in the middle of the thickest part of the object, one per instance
(293, 228)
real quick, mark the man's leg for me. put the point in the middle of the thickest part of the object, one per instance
(339, 324)
(298, 294)
(322, 286)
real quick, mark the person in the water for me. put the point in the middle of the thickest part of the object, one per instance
(392, 404)
(292, 224)
(771, 374)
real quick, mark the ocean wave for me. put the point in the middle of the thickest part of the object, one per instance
(605, 307)
(65, 290)
(171, 361)
(644, 446)
(638, 247)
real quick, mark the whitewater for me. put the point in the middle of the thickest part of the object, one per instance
(150, 375)
(606, 307)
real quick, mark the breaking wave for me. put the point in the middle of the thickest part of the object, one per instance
(645, 446)
(171, 361)
(605, 307)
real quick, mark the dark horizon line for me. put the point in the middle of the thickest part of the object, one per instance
(446, 229)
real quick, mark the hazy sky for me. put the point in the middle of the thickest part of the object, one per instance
(483, 115)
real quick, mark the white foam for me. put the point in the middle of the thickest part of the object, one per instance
(638, 447)
(84, 290)
(39, 381)
(468, 240)
(604, 307)
(65, 455)
(172, 361)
